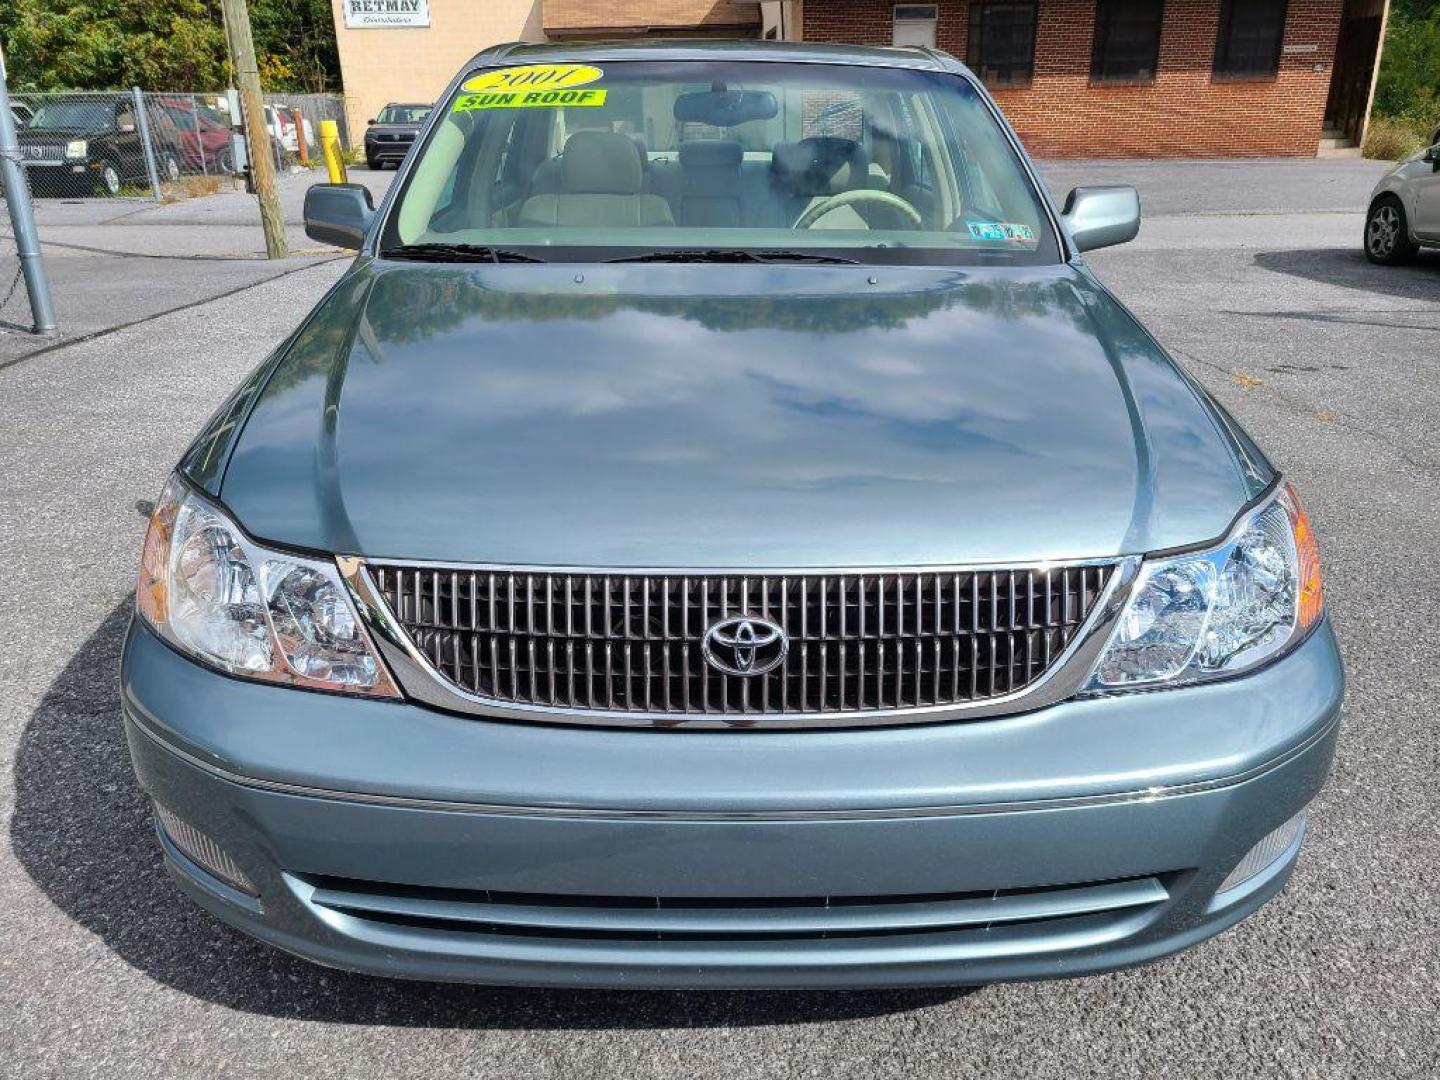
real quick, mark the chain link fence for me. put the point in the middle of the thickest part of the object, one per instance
(145, 144)
(15, 314)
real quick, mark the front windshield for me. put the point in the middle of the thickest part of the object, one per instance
(403, 114)
(618, 158)
(86, 115)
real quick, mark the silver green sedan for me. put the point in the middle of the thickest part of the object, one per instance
(719, 532)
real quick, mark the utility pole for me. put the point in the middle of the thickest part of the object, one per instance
(22, 217)
(257, 136)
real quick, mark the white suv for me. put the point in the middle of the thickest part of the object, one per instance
(1404, 213)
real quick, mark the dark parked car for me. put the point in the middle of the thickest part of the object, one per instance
(391, 133)
(765, 555)
(78, 146)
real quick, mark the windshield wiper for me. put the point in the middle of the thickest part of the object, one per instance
(734, 255)
(457, 253)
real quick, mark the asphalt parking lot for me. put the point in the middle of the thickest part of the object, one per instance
(1249, 272)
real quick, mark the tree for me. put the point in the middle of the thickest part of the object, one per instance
(110, 44)
(1408, 87)
(295, 42)
(163, 45)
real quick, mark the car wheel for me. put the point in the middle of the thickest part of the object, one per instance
(225, 162)
(372, 164)
(1387, 233)
(110, 179)
(170, 169)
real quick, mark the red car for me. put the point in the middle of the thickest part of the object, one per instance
(201, 135)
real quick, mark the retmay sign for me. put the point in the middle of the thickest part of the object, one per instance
(381, 13)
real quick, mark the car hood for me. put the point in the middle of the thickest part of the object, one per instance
(392, 129)
(47, 136)
(731, 416)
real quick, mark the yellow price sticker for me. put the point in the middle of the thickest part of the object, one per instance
(531, 99)
(534, 77)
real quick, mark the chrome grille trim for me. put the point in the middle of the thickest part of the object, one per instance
(776, 919)
(579, 662)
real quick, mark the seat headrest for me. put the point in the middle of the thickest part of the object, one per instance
(710, 154)
(601, 163)
(823, 165)
(642, 146)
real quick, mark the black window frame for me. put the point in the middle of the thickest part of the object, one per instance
(984, 67)
(1251, 63)
(1105, 64)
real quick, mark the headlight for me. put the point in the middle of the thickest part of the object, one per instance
(1214, 613)
(77, 148)
(262, 614)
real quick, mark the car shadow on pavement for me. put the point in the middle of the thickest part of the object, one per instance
(1349, 269)
(83, 832)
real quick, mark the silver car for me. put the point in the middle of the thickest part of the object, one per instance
(719, 532)
(1404, 213)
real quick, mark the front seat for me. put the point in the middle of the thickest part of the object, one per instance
(601, 185)
(710, 182)
(806, 172)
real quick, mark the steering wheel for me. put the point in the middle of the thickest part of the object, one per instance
(845, 198)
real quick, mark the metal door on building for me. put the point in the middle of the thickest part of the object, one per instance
(1354, 70)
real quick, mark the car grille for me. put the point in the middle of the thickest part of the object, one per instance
(633, 642)
(41, 153)
(1050, 909)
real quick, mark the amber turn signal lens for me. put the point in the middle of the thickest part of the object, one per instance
(150, 598)
(1311, 595)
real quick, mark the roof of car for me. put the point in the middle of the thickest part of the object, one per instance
(794, 52)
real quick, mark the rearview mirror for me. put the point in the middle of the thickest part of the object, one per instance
(725, 108)
(338, 214)
(1101, 216)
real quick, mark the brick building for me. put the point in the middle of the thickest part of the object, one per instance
(1076, 77)
(1129, 78)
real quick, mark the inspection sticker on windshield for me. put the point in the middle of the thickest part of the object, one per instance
(545, 86)
(1001, 231)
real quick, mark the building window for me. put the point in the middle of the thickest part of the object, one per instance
(1127, 40)
(915, 25)
(1251, 32)
(1001, 49)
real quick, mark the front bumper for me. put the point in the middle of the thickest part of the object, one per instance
(401, 841)
(387, 151)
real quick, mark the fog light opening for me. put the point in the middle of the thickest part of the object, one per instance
(1264, 854)
(203, 851)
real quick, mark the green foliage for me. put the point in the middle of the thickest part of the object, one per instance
(1389, 139)
(1408, 89)
(163, 44)
(295, 44)
(111, 44)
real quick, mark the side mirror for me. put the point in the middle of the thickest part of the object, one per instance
(372, 120)
(338, 214)
(1098, 217)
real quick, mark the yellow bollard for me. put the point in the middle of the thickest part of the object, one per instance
(330, 147)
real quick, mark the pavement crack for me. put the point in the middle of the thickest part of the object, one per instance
(106, 331)
(1323, 317)
(1340, 419)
